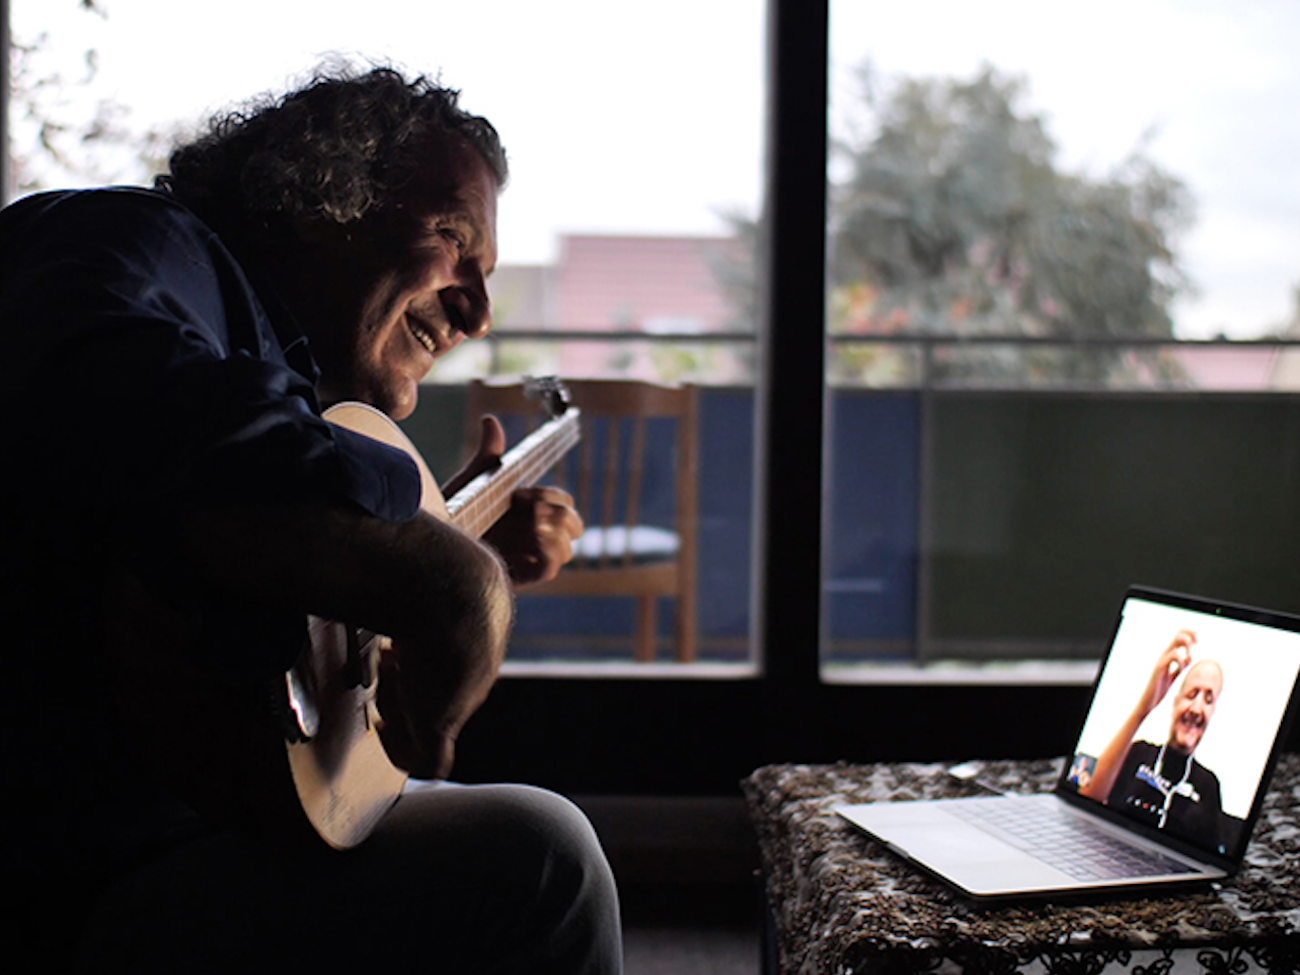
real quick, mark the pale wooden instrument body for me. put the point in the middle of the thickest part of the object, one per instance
(344, 779)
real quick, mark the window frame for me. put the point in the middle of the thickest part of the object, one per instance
(679, 736)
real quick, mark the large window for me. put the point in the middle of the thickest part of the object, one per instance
(934, 414)
(626, 231)
(1064, 320)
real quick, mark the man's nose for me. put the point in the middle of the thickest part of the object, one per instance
(479, 321)
(477, 303)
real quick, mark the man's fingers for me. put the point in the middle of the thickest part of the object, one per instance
(492, 437)
(554, 513)
(545, 494)
(536, 535)
(491, 446)
(1180, 652)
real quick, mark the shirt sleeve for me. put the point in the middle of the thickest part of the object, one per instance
(153, 374)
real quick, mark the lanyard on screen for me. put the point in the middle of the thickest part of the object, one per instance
(1155, 778)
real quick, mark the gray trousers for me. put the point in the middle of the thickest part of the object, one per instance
(475, 879)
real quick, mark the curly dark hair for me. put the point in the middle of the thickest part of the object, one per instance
(336, 149)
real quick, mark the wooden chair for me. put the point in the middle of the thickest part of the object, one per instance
(620, 554)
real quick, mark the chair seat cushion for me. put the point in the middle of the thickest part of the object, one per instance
(645, 542)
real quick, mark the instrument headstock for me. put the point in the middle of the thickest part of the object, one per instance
(550, 391)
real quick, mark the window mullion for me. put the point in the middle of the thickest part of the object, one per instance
(791, 392)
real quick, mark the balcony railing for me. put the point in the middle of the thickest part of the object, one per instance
(928, 360)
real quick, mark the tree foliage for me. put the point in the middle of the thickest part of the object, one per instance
(955, 211)
(64, 132)
(953, 217)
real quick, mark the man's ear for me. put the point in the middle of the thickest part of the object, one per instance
(309, 231)
(294, 244)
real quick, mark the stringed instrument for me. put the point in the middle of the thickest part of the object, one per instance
(343, 777)
(299, 758)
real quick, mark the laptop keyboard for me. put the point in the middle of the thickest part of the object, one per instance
(1069, 843)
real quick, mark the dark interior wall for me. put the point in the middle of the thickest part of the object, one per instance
(654, 737)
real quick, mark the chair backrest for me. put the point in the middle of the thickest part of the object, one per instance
(619, 474)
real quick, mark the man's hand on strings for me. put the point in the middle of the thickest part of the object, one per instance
(535, 536)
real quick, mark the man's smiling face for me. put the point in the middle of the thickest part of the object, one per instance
(1194, 706)
(409, 286)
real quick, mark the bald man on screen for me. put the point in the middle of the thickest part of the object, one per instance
(1163, 784)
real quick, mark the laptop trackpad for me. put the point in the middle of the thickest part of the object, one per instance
(964, 854)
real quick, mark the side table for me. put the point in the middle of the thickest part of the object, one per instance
(841, 903)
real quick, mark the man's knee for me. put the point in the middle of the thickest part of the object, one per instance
(545, 833)
(518, 830)
(577, 900)
(537, 866)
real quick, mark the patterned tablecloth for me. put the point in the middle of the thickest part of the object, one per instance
(841, 903)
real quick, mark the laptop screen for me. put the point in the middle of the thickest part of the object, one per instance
(1185, 716)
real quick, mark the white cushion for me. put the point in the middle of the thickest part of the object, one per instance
(647, 543)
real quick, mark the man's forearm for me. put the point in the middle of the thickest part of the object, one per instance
(430, 587)
(339, 562)
(1111, 760)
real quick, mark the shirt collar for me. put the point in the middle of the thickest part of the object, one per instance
(293, 341)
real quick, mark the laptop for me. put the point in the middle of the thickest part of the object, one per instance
(1188, 713)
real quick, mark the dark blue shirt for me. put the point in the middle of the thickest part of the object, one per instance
(142, 371)
(1168, 790)
(139, 341)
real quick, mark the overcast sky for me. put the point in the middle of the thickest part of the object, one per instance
(647, 117)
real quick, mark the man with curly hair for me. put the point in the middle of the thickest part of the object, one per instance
(171, 351)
